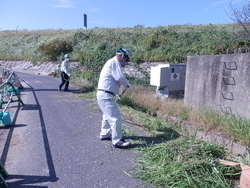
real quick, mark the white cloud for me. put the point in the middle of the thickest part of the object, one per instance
(64, 4)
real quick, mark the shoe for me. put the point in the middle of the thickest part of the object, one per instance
(109, 137)
(59, 89)
(66, 90)
(122, 144)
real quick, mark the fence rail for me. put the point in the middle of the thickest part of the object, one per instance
(9, 92)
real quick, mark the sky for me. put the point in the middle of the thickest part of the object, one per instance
(68, 14)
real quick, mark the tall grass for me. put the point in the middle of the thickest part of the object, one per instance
(170, 43)
(233, 126)
(185, 163)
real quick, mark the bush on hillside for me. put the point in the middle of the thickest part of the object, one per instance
(55, 48)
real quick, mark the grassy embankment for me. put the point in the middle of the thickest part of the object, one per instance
(187, 161)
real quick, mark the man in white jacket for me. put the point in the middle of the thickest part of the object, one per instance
(111, 78)
(65, 73)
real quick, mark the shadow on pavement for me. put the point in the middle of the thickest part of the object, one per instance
(14, 180)
(23, 181)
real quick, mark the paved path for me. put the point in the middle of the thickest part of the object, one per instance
(55, 143)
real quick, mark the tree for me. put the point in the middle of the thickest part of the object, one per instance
(55, 48)
(240, 14)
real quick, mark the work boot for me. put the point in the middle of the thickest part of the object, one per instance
(122, 144)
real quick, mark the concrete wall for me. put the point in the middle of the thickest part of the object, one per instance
(27, 66)
(219, 81)
(46, 68)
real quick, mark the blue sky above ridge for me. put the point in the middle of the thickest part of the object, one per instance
(68, 14)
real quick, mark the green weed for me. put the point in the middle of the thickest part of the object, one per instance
(184, 163)
(92, 47)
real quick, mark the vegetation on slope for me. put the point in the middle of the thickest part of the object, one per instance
(168, 44)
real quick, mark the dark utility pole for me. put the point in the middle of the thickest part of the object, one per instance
(85, 20)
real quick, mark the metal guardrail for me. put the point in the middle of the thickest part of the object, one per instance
(9, 90)
(3, 174)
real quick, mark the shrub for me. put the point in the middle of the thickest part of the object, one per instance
(55, 48)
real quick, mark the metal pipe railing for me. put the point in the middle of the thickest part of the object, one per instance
(8, 89)
(9, 73)
(8, 103)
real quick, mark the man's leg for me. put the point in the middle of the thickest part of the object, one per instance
(66, 85)
(105, 129)
(112, 114)
(66, 80)
(62, 83)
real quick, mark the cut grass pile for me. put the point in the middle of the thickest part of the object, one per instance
(168, 159)
(185, 163)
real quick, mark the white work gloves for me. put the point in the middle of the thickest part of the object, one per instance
(129, 86)
(118, 96)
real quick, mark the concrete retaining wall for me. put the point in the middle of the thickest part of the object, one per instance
(27, 66)
(219, 81)
(46, 68)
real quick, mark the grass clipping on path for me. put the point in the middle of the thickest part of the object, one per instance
(185, 163)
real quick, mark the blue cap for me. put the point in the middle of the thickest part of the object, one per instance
(123, 51)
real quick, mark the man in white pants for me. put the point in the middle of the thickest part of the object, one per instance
(111, 78)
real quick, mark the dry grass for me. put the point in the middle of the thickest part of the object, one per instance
(208, 119)
(82, 84)
(147, 97)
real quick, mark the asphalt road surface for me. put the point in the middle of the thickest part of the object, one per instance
(55, 142)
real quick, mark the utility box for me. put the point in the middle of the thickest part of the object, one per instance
(170, 77)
